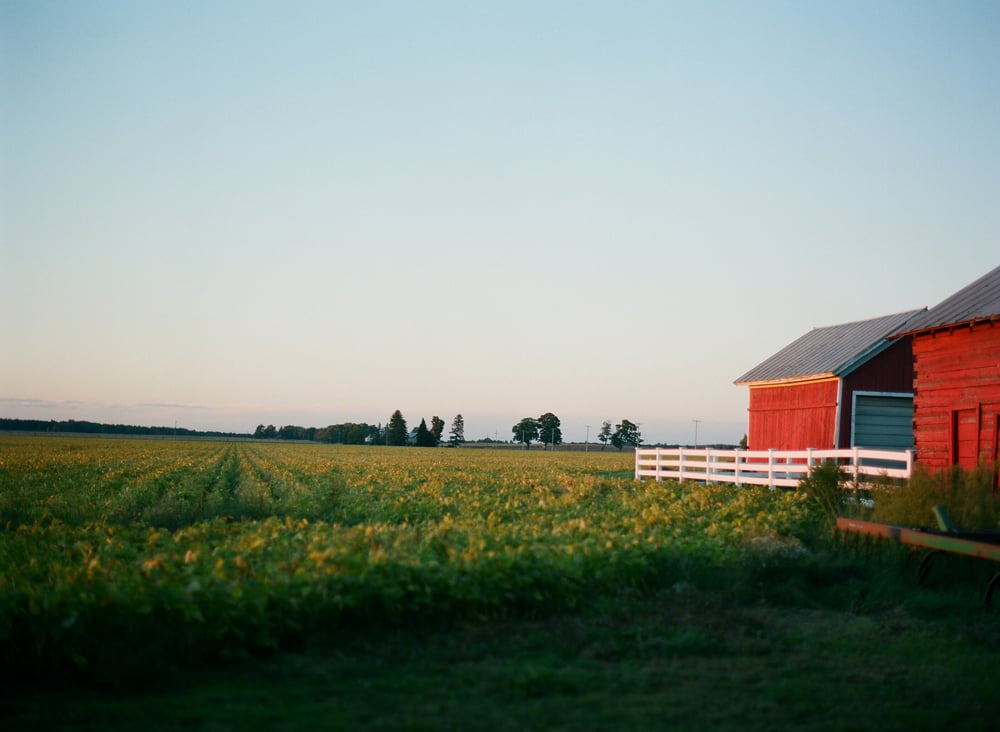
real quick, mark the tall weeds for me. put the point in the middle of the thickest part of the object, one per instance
(969, 496)
(826, 486)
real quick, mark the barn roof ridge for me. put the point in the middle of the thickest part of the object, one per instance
(976, 302)
(829, 351)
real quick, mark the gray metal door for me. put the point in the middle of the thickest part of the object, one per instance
(883, 421)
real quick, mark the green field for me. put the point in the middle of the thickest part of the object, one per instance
(227, 585)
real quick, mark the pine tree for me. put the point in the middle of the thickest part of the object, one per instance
(457, 436)
(397, 429)
(424, 436)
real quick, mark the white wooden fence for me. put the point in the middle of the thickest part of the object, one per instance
(773, 468)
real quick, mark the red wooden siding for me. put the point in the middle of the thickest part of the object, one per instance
(793, 416)
(889, 371)
(957, 400)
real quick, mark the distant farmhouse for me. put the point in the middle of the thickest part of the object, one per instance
(922, 379)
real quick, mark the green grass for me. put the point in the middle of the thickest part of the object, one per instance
(883, 657)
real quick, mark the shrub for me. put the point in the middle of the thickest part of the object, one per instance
(968, 495)
(826, 486)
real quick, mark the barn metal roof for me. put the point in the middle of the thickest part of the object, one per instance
(833, 350)
(977, 301)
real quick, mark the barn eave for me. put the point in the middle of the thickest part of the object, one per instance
(787, 381)
(992, 321)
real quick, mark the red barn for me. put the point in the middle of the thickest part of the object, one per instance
(839, 386)
(956, 353)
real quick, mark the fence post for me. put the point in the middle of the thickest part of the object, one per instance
(659, 467)
(680, 464)
(770, 467)
(909, 463)
(736, 468)
(856, 461)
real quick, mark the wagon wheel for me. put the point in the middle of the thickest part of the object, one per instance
(991, 587)
(925, 565)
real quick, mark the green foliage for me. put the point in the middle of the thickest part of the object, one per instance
(826, 487)
(626, 433)
(676, 658)
(348, 433)
(526, 431)
(397, 429)
(604, 436)
(457, 435)
(969, 496)
(425, 438)
(549, 431)
(437, 428)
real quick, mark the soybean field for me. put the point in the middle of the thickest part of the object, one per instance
(423, 588)
(201, 549)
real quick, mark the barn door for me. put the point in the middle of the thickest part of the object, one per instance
(965, 437)
(882, 421)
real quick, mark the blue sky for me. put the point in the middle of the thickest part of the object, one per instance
(221, 214)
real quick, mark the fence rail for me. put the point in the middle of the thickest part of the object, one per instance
(773, 468)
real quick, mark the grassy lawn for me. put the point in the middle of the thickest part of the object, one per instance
(870, 651)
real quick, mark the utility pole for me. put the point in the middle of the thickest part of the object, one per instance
(696, 422)
(586, 444)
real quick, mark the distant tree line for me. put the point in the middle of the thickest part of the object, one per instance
(547, 430)
(348, 433)
(99, 428)
(394, 432)
(624, 433)
(397, 434)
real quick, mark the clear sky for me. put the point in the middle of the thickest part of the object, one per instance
(221, 214)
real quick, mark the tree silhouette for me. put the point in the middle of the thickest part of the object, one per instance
(457, 435)
(437, 428)
(626, 433)
(525, 431)
(397, 429)
(605, 434)
(425, 437)
(548, 429)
